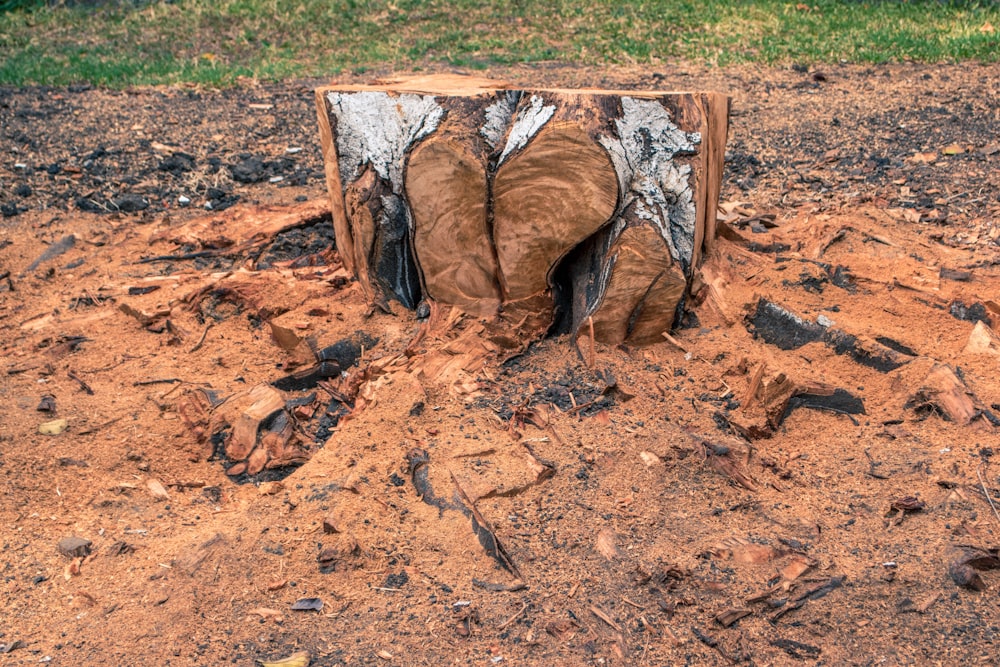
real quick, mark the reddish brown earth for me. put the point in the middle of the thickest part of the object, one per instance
(640, 526)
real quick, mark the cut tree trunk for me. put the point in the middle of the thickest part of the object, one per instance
(540, 210)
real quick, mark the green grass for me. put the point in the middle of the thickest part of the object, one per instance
(216, 42)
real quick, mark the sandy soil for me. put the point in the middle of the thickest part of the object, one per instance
(637, 523)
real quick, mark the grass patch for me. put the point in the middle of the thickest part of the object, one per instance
(209, 42)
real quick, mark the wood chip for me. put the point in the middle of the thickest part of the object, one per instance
(267, 613)
(730, 616)
(603, 615)
(74, 547)
(796, 568)
(157, 489)
(607, 544)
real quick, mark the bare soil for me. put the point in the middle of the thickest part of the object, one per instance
(637, 524)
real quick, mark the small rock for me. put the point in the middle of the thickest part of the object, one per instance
(330, 525)
(177, 164)
(345, 550)
(90, 205)
(250, 170)
(130, 203)
(54, 427)
(963, 575)
(271, 488)
(219, 200)
(649, 458)
(308, 604)
(183, 201)
(74, 547)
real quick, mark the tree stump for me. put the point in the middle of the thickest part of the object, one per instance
(540, 210)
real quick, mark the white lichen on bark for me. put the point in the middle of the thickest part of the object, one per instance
(528, 121)
(642, 152)
(499, 117)
(377, 128)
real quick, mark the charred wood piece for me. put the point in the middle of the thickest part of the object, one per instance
(784, 329)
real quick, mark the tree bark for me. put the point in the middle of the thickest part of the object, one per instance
(544, 210)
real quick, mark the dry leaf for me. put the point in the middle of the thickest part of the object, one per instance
(266, 613)
(925, 604)
(485, 533)
(285, 338)
(963, 570)
(297, 659)
(607, 544)
(603, 418)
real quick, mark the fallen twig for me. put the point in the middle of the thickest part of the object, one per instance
(499, 588)
(183, 256)
(711, 642)
(142, 383)
(201, 341)
(510, 621)
(95, 429)
(986, 492)
(603, 615)
(83, 385)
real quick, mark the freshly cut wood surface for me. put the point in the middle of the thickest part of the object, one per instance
(548, 198)
(447, 189)
(643, 289)
(454, 85)
(539, 206)
(447, 186)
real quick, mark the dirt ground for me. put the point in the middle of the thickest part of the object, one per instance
(780, 482)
